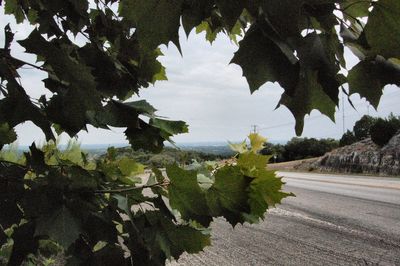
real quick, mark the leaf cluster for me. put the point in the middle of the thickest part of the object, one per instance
(89, 82)
(107, 212)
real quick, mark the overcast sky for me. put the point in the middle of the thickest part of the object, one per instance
(211, 96)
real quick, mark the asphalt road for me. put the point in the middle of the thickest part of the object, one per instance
(333, 220)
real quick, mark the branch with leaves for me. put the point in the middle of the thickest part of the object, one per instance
(83, 207)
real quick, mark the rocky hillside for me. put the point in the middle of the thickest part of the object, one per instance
(363, 157)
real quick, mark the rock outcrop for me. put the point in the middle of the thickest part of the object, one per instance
(363, 157)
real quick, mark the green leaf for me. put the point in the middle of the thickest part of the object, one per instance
(286, 27)
(319, 52)
(355, 8)
(12, 7)
(17, 108)
(262, 61)
(7, 134)
(240, 147)
(35, 159)
(129, 167)
(59, 225)
(257, 142)
(176, 239)
(194, 12)
(109, 255)
(169, 128)
(113, 74)
(251, 161)
(230, 11)
(142, 107)
(68, 108)
(9, 37)
(309, 95)
(186, 196)
(383, 28)
(14, 214)
(116, 114)
(81, 179)
(158, 175)
(32, 16)
(150, 69)
(211, 34)
(24, 243)
(157, 21)
(228, 197)
(368, 78)
(123, 203)
(145, 137)
(264, 192)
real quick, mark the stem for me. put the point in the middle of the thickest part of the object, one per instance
(354, 3)
(129, 189)
(106, 6)
(16, 164)
(3, 89)
(35, 66)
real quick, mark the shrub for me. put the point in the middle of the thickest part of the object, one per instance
(348, 138)
(362, 127)
(382, 131)
(301, 148)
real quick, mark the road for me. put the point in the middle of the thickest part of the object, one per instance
(333, 220)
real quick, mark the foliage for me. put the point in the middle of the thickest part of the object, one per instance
(276, 150)
(168, 156)
(362, 127)
(348, 138)
(380, 130)
(56, 198)
(394, 120)
(384, 129)
(299, 148)
(93, 212)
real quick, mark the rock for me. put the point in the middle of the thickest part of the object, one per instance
(363, 157)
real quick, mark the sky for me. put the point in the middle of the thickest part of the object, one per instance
(211, 95)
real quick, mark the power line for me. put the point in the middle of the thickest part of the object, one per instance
(344, 115)
(291, 123)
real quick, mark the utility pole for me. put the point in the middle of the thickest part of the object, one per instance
(254, 129)
(343, 117)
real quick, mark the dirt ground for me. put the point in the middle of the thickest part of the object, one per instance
(299, 165)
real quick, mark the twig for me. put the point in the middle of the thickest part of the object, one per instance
(129, 189)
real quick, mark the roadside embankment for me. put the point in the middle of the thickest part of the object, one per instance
(363, 157)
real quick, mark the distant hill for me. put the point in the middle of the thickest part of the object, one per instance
(168, 156)
(219, 150)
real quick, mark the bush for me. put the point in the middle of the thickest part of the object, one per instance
(302, 148)
(276, 150)
(362, 127)
(383, 130)
(348, 138)
(394, 120)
